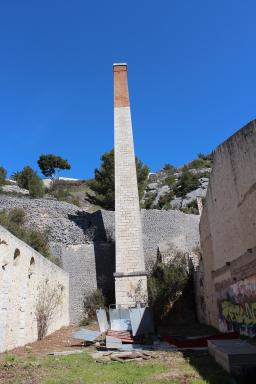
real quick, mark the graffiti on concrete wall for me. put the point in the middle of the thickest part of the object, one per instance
(237, 307)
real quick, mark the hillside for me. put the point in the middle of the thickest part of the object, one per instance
(178, 188)
(168, 189)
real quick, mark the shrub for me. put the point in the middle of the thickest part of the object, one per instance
(149, 200)
(92, 302)
(28, 179)
(35, 186)
(23, 177)
(169, 180)
(169, 168)
(63, 195)
(191, 208)
(2, 175)
(164, 201)
(38, 241)
(17, 216)
(202, 161)
(48, 301)
(187, 183)
(165, 284)
(13, 221)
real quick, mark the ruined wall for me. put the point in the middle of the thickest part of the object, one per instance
(227, 231)
(23, 275)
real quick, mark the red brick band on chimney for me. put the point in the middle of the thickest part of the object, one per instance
(121, 94)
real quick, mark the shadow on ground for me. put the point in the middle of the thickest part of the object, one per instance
(206, 366)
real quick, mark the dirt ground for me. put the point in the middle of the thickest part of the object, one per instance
(31, 365)
(60, 340)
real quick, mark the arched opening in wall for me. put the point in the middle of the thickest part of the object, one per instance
(16, 253)
(32, 261)
(31, 267)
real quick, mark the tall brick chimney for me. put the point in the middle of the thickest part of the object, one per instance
(130, 276)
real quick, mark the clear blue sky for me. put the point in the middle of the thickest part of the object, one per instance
(192, 77)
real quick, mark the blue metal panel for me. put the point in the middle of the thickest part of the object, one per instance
(102, 319)
(120, 319)
(141, 321)
(113, 342)
(86, 334)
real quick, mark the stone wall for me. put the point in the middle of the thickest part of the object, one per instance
(227, 231)
(85, 241)
(90, 266)
(23, 275)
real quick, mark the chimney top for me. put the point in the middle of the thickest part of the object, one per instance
(123, 64)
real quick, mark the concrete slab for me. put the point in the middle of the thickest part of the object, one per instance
(232, 354)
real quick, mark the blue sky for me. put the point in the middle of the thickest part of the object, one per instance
(192, 77)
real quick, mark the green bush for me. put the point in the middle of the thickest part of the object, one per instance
(64, 195)
(191, 208)
(35, 186)
(92, 302)
(165, 200)
(202, 161)
(187, 182)
(2, 175)
(23, 177)
(149, 200)
(197, 163)
(14, 220)
(169, 168)
(165, 284)
(169, 180)
(39, 242)
(28, 179)
(17, 216)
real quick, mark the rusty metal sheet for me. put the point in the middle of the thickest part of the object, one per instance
(102, 319)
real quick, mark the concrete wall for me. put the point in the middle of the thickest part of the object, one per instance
(227, 231)
(23, 275)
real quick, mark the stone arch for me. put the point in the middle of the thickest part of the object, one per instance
(31, 267)
(16, 254)
(32, 261)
